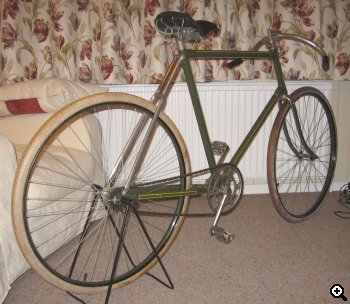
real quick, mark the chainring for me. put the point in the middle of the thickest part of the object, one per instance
(227, 182)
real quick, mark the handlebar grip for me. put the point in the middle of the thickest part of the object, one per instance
(325, 63)
(235, 63)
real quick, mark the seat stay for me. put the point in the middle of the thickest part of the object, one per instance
(158, 99)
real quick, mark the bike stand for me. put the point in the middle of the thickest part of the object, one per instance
(130, 204)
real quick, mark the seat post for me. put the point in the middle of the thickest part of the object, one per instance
(180, 43)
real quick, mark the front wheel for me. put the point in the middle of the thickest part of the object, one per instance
(71, 219)
(301, 154)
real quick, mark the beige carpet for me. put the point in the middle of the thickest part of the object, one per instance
(269, 261)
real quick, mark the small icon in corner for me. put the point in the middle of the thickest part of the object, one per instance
(337, 291)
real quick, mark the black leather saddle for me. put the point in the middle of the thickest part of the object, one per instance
(179, 24)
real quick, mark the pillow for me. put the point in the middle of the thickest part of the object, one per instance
(42, 95)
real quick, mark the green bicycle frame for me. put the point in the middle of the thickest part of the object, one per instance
(254, 55)
(182, 60)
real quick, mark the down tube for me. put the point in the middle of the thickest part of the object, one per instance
(257, 126)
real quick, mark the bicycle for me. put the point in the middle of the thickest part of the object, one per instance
(124, 186)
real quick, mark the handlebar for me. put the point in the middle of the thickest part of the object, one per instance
(276, 35)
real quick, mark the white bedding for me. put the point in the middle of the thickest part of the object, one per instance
(50, 95)
(12, 262)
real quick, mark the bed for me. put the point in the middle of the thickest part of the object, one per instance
(24, 107)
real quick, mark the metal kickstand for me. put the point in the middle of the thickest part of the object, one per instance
(131, 204)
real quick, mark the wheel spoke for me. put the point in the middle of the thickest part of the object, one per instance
(301, 161)
(76, 224)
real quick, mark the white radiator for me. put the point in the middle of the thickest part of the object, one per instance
(230, 109)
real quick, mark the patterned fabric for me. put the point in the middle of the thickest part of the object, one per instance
(112, 42)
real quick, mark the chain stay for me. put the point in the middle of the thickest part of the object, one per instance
(199, 172)
(195, 173)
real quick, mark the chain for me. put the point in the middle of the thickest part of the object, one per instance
(199, 172)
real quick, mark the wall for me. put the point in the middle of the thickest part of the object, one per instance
(341, 107)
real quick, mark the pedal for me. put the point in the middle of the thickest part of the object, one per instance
(220, 149)
(221, 235)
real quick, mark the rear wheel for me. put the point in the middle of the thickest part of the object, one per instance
(70, 218)
(301, 154)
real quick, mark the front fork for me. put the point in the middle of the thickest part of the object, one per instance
(299, 154)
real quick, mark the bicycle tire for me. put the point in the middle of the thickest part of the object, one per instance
(300, 168)
(65, 226)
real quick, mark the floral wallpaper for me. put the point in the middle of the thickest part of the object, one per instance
(116, 42)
